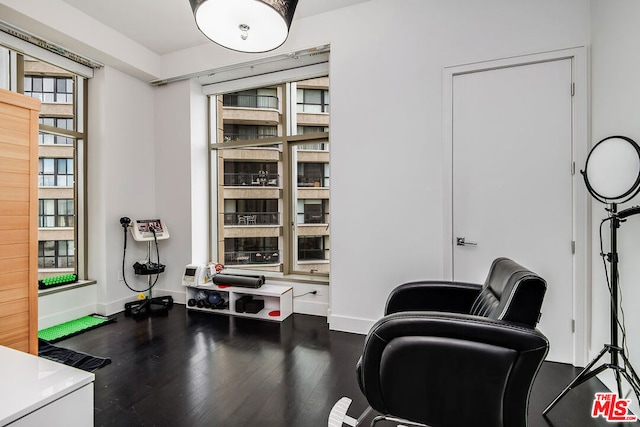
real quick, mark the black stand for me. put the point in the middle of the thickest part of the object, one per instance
(156, 306)
(617, 353)
(149, 306)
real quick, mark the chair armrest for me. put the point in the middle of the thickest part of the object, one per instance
(431, 295)
(425, 366)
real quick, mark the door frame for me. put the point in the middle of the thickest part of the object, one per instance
(581, 206)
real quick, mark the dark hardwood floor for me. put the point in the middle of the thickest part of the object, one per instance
(201, 369)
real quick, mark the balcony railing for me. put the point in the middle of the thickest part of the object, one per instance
(250, 101)
(228, 137)
(313, 254)
(313, 218)
(252, 218)
(251, 257)
(253, 179)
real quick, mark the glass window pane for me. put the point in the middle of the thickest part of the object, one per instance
(47, 84)
(49, 207)
(47, 167)
(37, 84)
(312, 96)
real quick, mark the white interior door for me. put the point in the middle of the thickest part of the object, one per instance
(512, 182)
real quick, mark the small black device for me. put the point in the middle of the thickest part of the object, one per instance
(148, 268)
(241, 303)
(254, 306)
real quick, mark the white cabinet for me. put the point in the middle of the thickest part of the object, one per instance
(278, 300)
(39, 392)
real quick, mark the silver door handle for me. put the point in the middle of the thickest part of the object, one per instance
(461, 241)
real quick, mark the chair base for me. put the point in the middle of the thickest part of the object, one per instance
(403, 423)
(338, 416)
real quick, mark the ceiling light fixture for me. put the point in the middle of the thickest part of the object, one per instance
(245, 25)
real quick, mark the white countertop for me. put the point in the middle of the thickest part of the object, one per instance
(28, 382)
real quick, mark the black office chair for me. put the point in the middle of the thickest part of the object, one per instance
(450, 354)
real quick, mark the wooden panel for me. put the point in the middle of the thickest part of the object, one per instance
(13, 151)
(14, 179)
(14, 279)
(12, 165)
(8, 222)
(13, 307)
(10, 323)
(14, 294)
(14, 208)
(14, 99)
(14, 194)
(19, 221)
(14, 250)
(14, 236)
(14, 331)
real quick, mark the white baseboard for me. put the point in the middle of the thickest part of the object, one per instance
(310, 307)
(350, 324)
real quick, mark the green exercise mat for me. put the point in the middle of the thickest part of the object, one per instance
(73, 327)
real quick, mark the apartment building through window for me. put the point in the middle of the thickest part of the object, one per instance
(49, 89)
(61, 140)
(55, 172)
(272, 177)
(55, 213)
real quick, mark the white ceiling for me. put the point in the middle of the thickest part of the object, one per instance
(165, 26)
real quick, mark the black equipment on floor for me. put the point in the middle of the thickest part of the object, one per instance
(149, 231)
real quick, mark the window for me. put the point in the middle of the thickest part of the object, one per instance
(311, 248)
(57, 122)
(55, 213)
(313, 211)
(313, 174)
(313, 101)
(273, 197)
(251, 212)
(62, 155)
(235, 132)
(56, 254)
(241, 173)
(257, 98)
(251, 250)
(55, 172)
(62, 148)
(49, 89)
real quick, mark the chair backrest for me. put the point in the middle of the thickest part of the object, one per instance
(511, 293)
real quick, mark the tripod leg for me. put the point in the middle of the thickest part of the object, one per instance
(630, 375)
(583, 376)
(619, 382)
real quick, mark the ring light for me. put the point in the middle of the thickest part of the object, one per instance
(612, 171)
(612, 176)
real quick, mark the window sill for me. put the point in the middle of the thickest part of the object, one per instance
(63, 288)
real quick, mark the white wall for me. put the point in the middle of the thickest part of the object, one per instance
(406, 48)
(122, 178)
(181, 179)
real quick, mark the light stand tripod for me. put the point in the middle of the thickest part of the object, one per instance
(626, 370)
